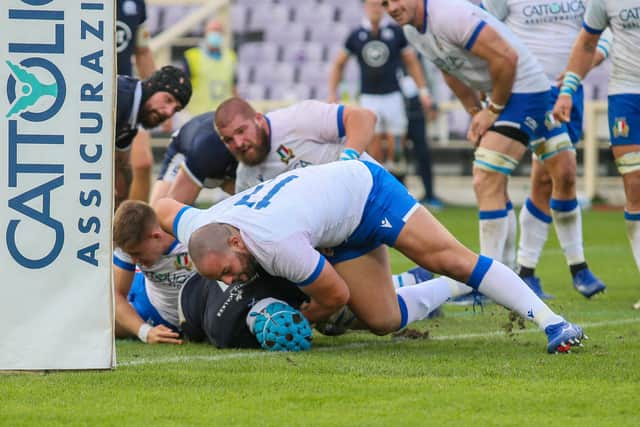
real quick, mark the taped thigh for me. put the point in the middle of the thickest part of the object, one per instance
(547, 148)
(628, 163)
(494, 161)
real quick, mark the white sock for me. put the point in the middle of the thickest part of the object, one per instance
(567, 220)
(534, 229)
(509, 253)
(403, 279)
(423, 298)
(501, 284)
(494, 226)
(633, 231)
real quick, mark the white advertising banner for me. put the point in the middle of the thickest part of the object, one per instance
(56, 156)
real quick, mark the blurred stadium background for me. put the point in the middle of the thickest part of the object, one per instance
(285, 49)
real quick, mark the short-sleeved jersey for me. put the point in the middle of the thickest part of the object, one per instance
(164, 279)
(128, 104)
(206, 159)
(306, 133)
(129, 15)
(452, 28)
(379, 56)
(623, 18)
(282, 220)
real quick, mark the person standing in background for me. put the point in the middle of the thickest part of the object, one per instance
(211, 67)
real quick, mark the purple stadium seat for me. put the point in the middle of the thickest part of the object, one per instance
(290, 92)
(322, 14)
(336, 34)
(258, 52)
(252, 92)
(239, 17)
(315, 73)
(266, 16)
(276, 72)
(243, 72)
(285, 34)
(153, 19)
(300, 52)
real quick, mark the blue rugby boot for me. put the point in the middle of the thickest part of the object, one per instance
(420, 274)
(587, 283)
(534, 284)
(562, 336)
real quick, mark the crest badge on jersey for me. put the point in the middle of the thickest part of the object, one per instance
(183, 261)
(285, 153)
(621, 128)
(130, 8)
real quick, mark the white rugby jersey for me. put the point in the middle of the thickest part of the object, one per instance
(303, 134)
(164, 279)
(548, 27)
(623, 18)
(452, 27)
(282, 220)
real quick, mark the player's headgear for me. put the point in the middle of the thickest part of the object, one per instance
(280, 327)
(168, 79)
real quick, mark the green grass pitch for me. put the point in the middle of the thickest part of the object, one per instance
(469, 371)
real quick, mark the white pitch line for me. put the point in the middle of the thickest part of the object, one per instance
(254, 354)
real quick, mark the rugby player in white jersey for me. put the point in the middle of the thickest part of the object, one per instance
(623, 18)
(478, 53)
(549, 28)
(306, 133)
(324, 228)
(160, 298)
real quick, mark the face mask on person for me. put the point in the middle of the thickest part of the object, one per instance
(214, 40)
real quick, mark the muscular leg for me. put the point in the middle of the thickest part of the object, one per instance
(424, 240)
(141, 163)
(490, 187)
(535, 218)
(631, 183)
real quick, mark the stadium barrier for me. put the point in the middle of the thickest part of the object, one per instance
(56, 302)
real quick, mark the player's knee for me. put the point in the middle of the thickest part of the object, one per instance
(382, 327)
(487, 182)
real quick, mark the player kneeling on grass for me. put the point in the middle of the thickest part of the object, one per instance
(166, 297)
(349, 210)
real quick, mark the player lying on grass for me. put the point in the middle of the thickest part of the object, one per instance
(155, 302)
(324, 228)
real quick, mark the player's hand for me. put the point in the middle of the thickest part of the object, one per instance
(426, 102)
(162, 334)
(480, 123)
(314, 311)
(562, 109)
(332, 98)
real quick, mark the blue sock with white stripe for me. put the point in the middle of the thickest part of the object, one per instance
(416, 302)
(633, 231)
(494, 228)
(567, 220)
(534, 229)
(501, 284)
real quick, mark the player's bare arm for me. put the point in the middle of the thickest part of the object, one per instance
(166, 209)
(580, 62)
(336, 74)
(359, 125)
(329, 292)
(123, 176)
(128, 322)
(184, 189)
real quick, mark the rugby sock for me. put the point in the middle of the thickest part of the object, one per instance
(567, 220)
(509, 254)
(501, 284)
(633, 231)
(403, 279)
(534, 229)
(494, 226)
(416, 302)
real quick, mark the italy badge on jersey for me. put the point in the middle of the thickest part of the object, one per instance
(182, 261)
(621, 128)
(286, 154)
